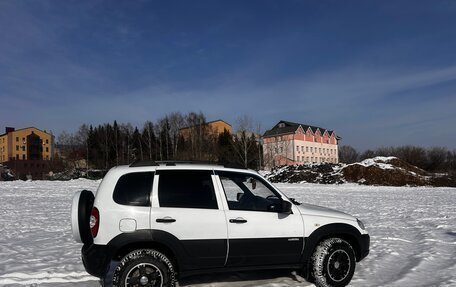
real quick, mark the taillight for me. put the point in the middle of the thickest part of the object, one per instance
(94, 222)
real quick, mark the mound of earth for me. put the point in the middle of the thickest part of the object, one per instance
(311, 173)
(384, 171)
(389, 171)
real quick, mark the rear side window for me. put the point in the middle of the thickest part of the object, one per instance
(186, 189)
(134, 189)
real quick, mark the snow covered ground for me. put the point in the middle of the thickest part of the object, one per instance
(413, 236)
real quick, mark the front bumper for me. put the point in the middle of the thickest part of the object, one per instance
(96, 259)
(364, 244)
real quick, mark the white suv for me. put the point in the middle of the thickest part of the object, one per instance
(168, 218)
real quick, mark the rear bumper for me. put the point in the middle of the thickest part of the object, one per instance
(364, 244)
(96, 259)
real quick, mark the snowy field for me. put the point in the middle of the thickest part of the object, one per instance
(413, 236)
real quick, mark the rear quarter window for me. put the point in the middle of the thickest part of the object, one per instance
(134, 189)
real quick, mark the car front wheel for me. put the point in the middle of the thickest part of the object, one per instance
(333, 263)
(146, 267)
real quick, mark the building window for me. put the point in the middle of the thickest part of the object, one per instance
(17, 139)
(23, 156)
(17, 157)
(307, 149)
(47, 141)
(297, 148)
(17, 148)
(297, 158)
(47, 149)
(23, 148)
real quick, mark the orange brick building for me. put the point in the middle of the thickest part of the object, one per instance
(214, 127)
(27, 151)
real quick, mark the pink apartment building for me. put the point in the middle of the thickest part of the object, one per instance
(289, 143)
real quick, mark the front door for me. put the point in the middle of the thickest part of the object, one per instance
(258, 234)
(185, 214)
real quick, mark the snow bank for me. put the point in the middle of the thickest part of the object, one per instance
(413, 236)
(379, 161)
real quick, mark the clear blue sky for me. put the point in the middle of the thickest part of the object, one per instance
(379, 73)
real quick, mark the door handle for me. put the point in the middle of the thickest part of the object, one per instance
(165, 220)
(238, 220)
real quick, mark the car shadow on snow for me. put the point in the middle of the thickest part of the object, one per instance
(246, 278)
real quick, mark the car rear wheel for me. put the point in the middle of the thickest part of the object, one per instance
(145, 267)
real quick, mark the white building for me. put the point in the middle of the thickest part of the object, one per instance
(289, 143)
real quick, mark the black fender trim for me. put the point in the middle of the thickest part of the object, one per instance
(359, 242)
(96, 259)
(185, 254)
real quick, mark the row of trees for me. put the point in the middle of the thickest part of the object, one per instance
(434, 159)
(108, 145)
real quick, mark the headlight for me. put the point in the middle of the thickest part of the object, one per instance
(361, 224)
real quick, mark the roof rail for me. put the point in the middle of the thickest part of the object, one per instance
(177, 162)
(143, 163)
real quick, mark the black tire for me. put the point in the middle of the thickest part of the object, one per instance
(85, 205)
(333, 263)
(151, 266)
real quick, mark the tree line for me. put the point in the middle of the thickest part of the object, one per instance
(112, 144)
(432, 159)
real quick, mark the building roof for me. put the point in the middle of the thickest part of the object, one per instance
(219, 120)
(291, 127)
(206, 123)
(25, 129)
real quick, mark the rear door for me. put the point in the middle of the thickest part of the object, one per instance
(257, 234)
(185, 214)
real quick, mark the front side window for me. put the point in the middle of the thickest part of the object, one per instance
(248, 192)
(186, 189)
(134, 189)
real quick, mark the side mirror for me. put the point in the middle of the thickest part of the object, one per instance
(286, 207)
(239, 196)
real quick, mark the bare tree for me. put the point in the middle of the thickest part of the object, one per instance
(176, 122)
(348, 154)
(148, 130)
(82, 136)
(197, 133)
(70, 149)
(242, 143)
(127, 132)
(260, 144)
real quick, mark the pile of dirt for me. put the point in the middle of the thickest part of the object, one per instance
(311, 173)
(388, 171)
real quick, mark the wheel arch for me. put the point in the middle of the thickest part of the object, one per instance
(340, 230)
(142, 239)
